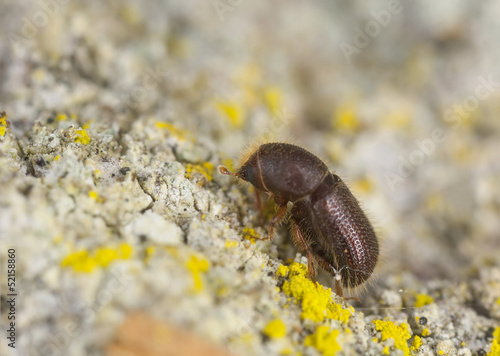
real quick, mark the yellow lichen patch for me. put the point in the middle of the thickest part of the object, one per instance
(250, 234)
(83, 137)
(61, 117)
(345, 119)
(197, 266)
(363, 186)
(149, 252)
(180, 134)
(273, 99)
(94, 195)
(209, 167)
(83, 261)
(231, 243)
(56, 158)
(3, 123)
(425, 332)
(495, 346)
(275, 329)
(222, 291)
(232, 111)
(399, 333)
(205, 170)
(316, 300)
(422, 300)
(498, 301)
(417, 342)
(282, 271)
(335, 311)
(324, 340)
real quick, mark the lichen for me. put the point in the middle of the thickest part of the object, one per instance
(82, 136)
(250, 234)
(316, 301)
(273, 99)
(324, 340)
(495, 346)
(275, 329)
(422, 300)
(399, 333)
(84, 261)
(3, 123)
(417, 342)
(233, 111)
(180, 134)
(61, 117)
(197, 266)
(95, 195)
(282, 271)
(149, 252)
(345, 119)
(231, 243)
(205, 169)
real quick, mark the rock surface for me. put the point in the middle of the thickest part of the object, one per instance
(117, 115)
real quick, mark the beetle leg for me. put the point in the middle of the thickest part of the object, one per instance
(278, 218)
(337, 280)
(301, 240)
(258, 201)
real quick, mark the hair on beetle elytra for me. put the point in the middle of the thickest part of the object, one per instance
(326, 220)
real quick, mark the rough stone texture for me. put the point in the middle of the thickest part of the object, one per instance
(117, 116)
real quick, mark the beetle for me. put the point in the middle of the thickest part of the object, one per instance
(327, 221)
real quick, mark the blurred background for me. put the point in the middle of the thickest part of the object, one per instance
(400, 98)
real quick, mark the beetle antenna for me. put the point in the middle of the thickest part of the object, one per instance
(223, 170)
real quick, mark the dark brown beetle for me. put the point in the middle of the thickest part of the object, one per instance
(326, 220)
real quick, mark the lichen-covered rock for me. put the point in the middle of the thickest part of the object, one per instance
(117, 116)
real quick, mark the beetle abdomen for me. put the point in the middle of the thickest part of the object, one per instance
(346, 238)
